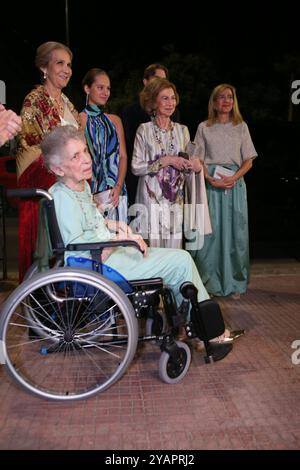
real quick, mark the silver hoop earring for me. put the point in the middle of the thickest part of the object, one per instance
(87, 99)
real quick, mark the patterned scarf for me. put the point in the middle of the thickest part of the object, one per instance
(104, 147)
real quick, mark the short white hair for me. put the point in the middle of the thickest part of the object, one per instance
(53, 145)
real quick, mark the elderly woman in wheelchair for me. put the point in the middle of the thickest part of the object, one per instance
(71, 331)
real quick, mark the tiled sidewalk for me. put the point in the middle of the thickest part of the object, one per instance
(250, 400)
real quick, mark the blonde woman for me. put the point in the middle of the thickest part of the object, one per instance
(227, 152)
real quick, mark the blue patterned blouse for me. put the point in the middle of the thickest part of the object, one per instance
(104, 147)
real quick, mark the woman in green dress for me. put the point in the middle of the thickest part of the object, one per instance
(227, 152)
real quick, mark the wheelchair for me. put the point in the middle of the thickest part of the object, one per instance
(69, 332)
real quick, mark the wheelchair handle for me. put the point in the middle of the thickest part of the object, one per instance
(28, 193)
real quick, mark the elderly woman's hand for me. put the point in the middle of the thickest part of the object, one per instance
(179, 163)
(196, 165)
(10, 124)
(140, 241)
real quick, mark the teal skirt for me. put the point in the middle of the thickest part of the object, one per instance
(223, 261)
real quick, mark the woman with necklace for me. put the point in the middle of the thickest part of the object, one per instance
(44, 108)
(106, 141)
(159, 199)
(227, 152)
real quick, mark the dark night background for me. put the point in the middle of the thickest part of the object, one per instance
(257, 51)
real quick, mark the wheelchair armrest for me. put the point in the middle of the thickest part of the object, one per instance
(101, 245)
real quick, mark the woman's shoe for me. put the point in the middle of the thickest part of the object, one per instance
(228, 336)
(235, 334)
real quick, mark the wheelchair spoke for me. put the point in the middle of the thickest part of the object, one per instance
(68, 335)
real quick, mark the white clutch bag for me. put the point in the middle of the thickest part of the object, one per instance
(221, 171)
(102, 201)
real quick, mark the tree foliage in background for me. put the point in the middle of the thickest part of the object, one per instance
(263, 86)
(263, 90)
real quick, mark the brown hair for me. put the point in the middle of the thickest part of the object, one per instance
(151, 69)
(91, 76)
(149, 94)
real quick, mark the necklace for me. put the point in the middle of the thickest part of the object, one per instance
(165, 138)
(88, 209)
(59, 104)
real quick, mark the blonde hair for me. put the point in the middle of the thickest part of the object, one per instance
(149, 94)
(44, 52)
(235, 115)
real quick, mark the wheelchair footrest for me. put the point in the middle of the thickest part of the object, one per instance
(217, 351)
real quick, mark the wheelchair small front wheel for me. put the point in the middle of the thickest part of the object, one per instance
(172, 369)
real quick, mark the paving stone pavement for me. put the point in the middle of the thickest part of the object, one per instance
(249, 400)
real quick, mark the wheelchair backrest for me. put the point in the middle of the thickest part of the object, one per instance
(49, 242)
(54, 232)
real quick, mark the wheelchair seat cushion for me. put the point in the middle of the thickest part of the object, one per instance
(106, 271)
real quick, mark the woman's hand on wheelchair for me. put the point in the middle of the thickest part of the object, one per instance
(125, 232)
(140, 241)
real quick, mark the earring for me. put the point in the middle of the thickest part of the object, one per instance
(87, 99)
(45, 75)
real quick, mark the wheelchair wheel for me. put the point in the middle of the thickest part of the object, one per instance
(157, 325)
(37, 327)
(31, 271)
(35, 319)
(79, 338)
(171, 370)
